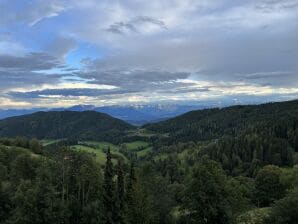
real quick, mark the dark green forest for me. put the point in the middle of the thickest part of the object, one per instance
(232, 165)
(65, 124)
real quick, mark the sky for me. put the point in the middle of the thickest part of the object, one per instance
(59, 53)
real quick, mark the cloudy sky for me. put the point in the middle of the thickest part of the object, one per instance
(102, 52)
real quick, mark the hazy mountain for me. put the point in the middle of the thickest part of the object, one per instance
(134, 114)
(18, 112)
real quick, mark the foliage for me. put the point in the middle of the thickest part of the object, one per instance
(206, 195)
(268, 186)
(212, 166)
(87, 125)
(255, 216)
(285, 211)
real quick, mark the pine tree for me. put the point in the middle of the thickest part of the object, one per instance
(120, 191)
(108, 190)
(130, 205)
(137, 208)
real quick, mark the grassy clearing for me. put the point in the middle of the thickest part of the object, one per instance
(136, 146)
(142, 132)
(102, 145)
(46, 142)
(100, 155)
(144, 152)
(141, 148)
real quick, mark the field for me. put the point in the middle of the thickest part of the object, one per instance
(136, 146)
(140, 148)
(99, 153)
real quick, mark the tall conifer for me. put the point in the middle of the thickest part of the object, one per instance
(108, 190)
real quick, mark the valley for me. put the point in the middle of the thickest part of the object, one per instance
(242, 161)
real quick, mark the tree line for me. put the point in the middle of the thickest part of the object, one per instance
(71, 187)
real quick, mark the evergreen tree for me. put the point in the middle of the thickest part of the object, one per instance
(120, 194)
(108, 196)
(130, 196)
(137, 208)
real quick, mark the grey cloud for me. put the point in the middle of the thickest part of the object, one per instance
(134, 25)
(10, 80)
(66, 93)
(271, 5)
(29, 62)
(162, 89)
(217, 56)
(266, 75)
(121, 28)
(148, 19)
(250, 42)
(139, 81)
(24, 71)
(185, 89)
(136, 79)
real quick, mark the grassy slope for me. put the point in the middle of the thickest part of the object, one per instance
(99, 151)
(130, 146)
(135, 146)
(46, 142)
(100, 155)
(20, 150)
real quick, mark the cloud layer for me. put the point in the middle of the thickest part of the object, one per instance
(131, 51)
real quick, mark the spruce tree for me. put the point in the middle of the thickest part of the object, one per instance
(120, 191)
(108, 190)
(130, 196)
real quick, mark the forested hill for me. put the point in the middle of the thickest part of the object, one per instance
(64, 124)
(277, 118)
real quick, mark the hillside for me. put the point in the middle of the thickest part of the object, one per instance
(245, 170)
(214, 123)
(133, 114)
(64, 124)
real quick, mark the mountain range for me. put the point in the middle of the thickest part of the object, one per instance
(133, 114)
(84, 122)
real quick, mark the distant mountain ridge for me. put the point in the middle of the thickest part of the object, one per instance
(196, 125)
(65, 124)
(133, 114)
